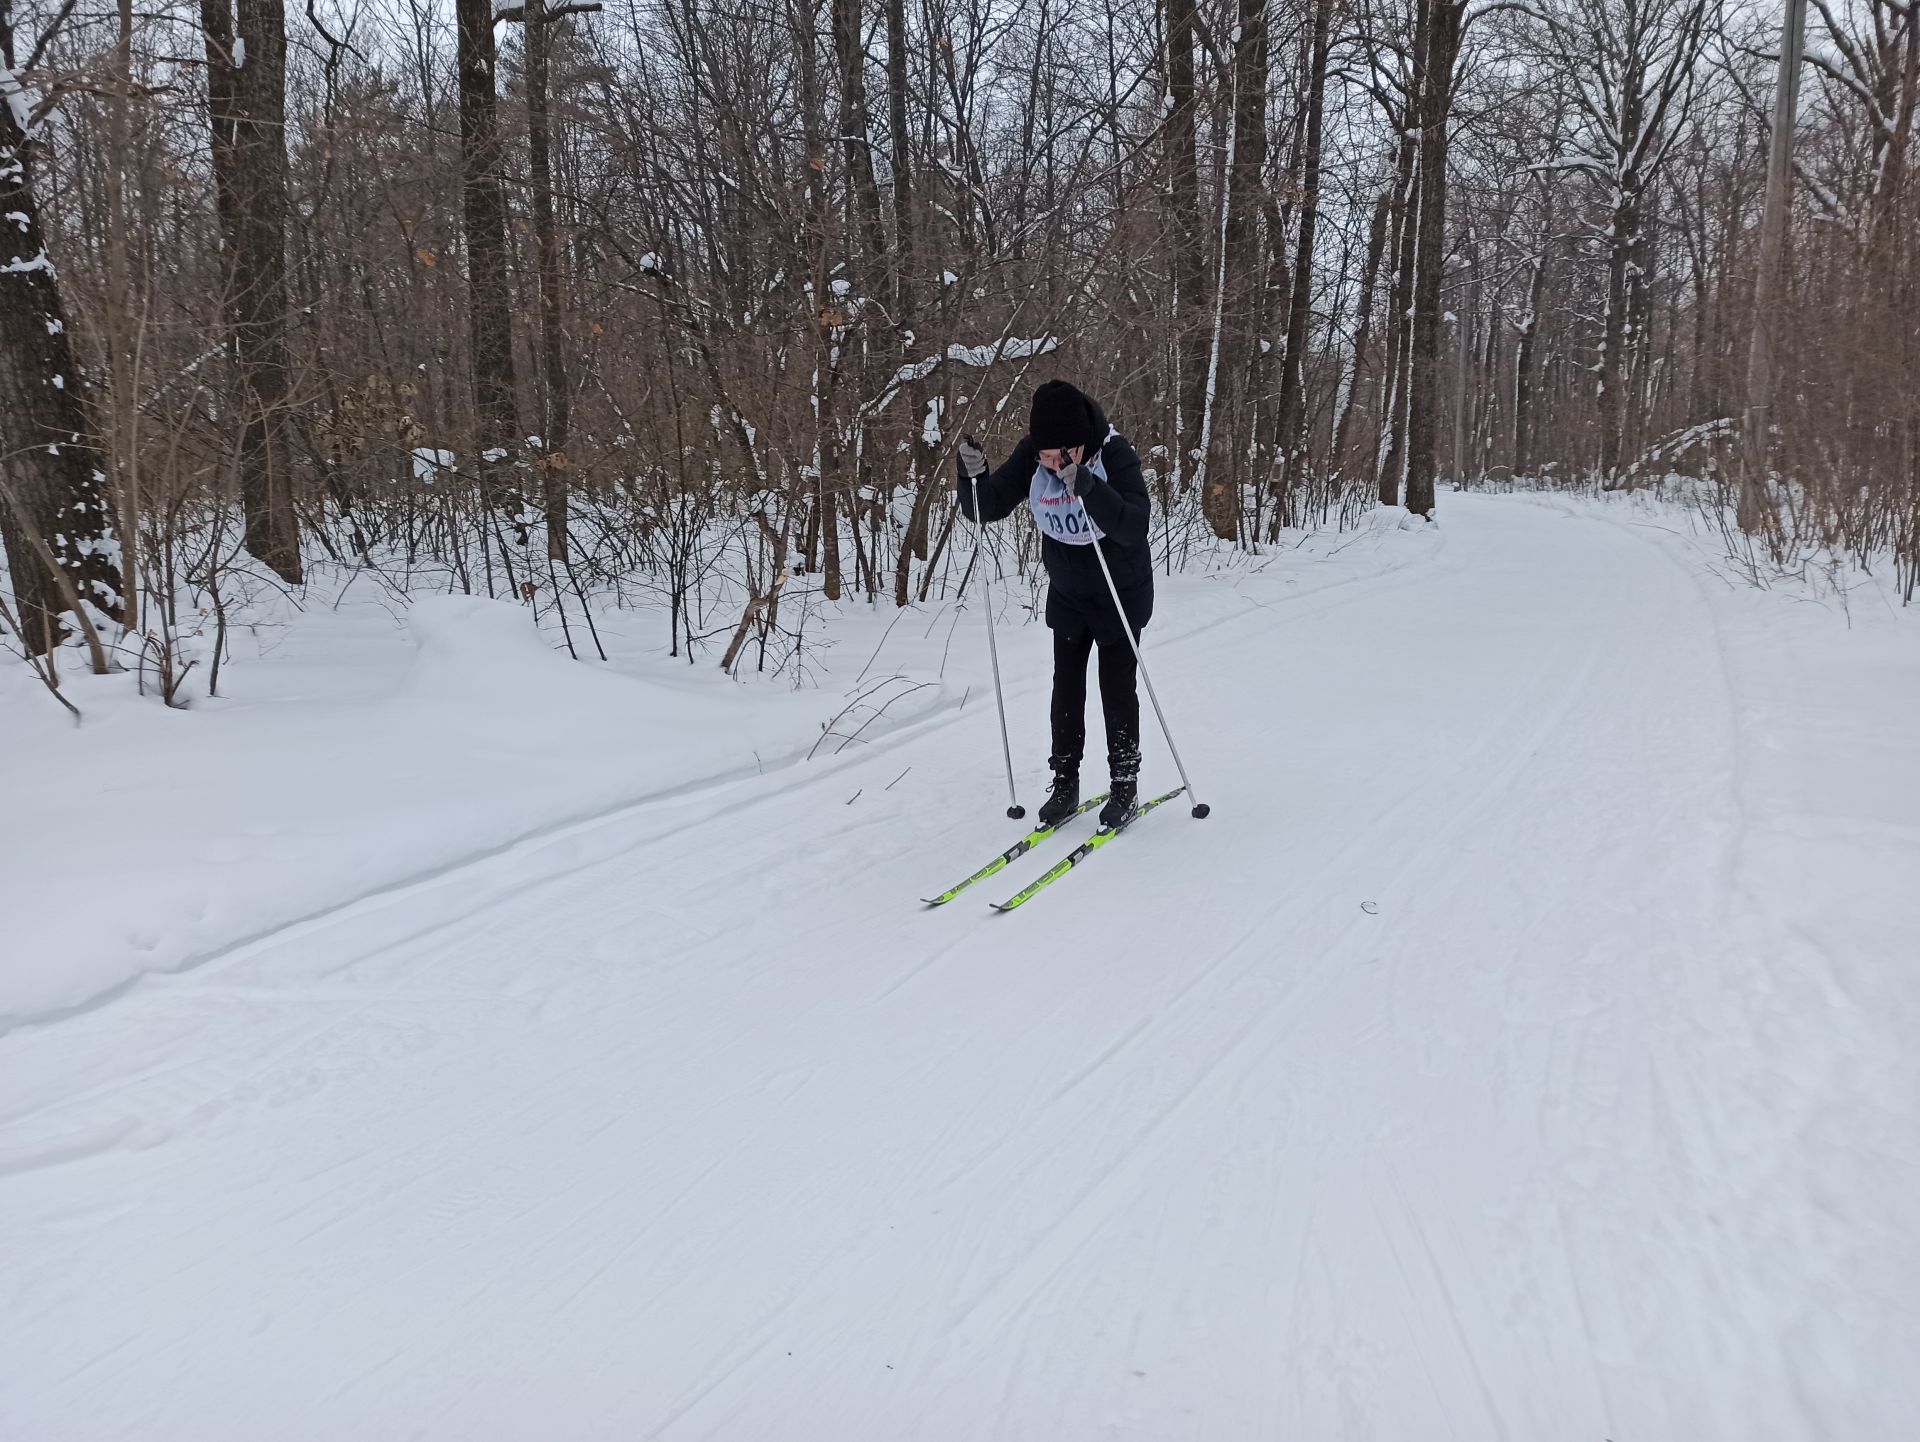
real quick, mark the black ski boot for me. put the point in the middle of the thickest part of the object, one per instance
(1122, 801)
(1063, 796)
(1123, 797)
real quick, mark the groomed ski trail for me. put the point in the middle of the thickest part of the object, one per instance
(1410, 1095)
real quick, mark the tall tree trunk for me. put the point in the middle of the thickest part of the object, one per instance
(1444, 19)
(1249, 237)
(484, 220)
(1752, 509)
(906, 303)
(1350, 403)
(1406, 221)
(1487, 399)
(1523, 362)
(1291, 428)
(856, 124)
(120, 326)
(1639, 395)
(557, 424)
(827, 316)
(1189, 236)
(1239, 266)
(1720, 328)
(1463, 367)
(1623, 232)
(53, 497)
(1704, 339)
(900, 157)
(246, 99)
(856, 140)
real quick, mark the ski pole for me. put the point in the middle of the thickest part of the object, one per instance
(1014, 809)
(1200, 808)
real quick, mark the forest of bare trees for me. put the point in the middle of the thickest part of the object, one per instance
(558, 299)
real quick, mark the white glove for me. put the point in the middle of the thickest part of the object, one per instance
(973, 460)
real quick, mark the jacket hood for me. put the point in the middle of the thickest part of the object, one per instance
(1097, 435)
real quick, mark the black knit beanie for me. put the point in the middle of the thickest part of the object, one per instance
(1061, 417)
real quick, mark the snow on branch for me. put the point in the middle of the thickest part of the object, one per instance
(981, 356)
(1581, 164)
(977, 356)
(17, 100)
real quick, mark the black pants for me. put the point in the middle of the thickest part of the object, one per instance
(1119, 701)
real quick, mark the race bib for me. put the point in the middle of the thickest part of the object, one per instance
(1058, 511)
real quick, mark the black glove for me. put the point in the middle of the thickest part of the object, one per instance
(1077, 479)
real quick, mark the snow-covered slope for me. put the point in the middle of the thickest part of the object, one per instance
(1523, 1049)
(361, 752)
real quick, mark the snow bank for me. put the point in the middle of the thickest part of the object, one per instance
(357, 754)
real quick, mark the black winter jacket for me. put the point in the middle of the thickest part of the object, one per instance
(1077, 596)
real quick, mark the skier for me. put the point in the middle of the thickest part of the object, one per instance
(1083, 483)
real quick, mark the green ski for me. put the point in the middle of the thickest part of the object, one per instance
(1013, 853)
(1080, 853)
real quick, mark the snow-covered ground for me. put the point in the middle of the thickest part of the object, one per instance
(360, 743)
(349, 750)
(1523, 1048)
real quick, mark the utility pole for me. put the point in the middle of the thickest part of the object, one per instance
(1766, 281)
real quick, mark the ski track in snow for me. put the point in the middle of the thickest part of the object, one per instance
(689, 1122)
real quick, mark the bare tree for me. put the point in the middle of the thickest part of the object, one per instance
(1189, 299)
(55, 517)
(1766, 278)
(484, 221)
(1292, 403)
(1629, 67)
(537, 20)
(246, 50)
(1238, 264)
(1441, 23)
(775, 258)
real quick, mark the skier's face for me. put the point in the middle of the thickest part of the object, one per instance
(1057, 460)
